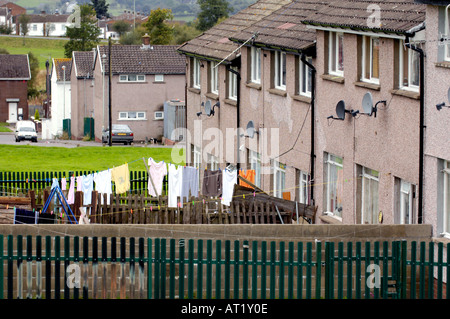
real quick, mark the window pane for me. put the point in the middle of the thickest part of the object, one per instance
(375, 57)
(123, 115)
(333, 52)
(123, 78)
(140, 77)
(341, 52)
(131, 115)
(132, 77)
(366, 57)
(414, 68)
(283, 70)
(374, 200)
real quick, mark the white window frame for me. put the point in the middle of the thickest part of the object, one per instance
(332, 186)
(447, 33)
(255, 65)
(279, 179)
(197, 161)
(446, 198)
(409, 55)
(333, 53)
(367, 179)
(159, 77)
(213, 162)
(214, 76)
(305, 78)
(406, 192)
(232, 84)
(303, 187)
(196, 73)
(126, 78)
(255, 164)
(125, 116)
(364, 65)
(280, 70)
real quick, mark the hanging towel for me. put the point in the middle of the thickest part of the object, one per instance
(229, 179)
(212, 183)
(54, 183)
(157, 171)
(248, 175)
(71, 195)
(63, 184)
(190, 183)
(103, 185)
(121, 177)
(88, 187)
(79, 183)
(175, 184)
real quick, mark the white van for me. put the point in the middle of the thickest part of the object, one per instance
(25, 130)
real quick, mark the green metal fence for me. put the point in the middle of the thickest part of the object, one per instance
(55, 267)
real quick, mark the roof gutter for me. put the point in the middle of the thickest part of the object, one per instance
(409, 35)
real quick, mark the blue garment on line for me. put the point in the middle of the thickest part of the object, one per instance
(23, 216)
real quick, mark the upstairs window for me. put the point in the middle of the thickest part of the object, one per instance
(280, 70)
(196, 73)
(370, 59)
(132, 78)
(255, 65)
(159, 77)
(305, 78)
(336, 53)
(232, 84)
(279, 179)
(408, 67)
(214, 77)
(369, 196)
(333, 185)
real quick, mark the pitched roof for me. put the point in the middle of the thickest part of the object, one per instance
(284, 28)
(83, 63)
(396, 16)
(59, 63)
(14, 67)
(159, 59)
(48, 18)
(215, 44)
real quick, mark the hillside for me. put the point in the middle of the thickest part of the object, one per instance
(182, 9)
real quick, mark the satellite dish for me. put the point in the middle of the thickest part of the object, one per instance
(208, 108)
(340, 110)
(367, 104)
(250, 129)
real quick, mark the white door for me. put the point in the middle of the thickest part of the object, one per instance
(12, 107)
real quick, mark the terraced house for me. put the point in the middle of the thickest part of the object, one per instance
(343, 84)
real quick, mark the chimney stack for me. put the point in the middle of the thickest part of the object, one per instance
(146, 40)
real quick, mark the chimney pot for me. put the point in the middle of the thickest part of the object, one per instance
(146, 39)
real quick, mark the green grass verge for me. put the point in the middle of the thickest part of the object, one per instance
(43, 49)
(3, 127)
(27, 158)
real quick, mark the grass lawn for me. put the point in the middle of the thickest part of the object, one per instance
(3, 127)
(27, 158)
(43, 49)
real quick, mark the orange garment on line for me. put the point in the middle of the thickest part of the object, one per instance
(248, 175)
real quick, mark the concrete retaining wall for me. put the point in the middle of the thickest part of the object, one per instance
(233, 232)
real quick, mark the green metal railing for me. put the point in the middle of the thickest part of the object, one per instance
(55, 267)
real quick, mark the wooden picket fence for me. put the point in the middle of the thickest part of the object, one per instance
(56, 267)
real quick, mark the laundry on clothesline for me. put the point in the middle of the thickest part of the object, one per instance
(121, 177)
(157, 171)
(103, 185)
(175, 184)
(229, 179)
(248, 175)
(212, 183)
(24, 216)
(190, 183)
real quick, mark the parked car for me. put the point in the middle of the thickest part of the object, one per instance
(121, 133)
(25, 130)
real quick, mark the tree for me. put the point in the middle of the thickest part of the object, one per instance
(101, 8)
(23, 22)
(211, 11)
(159, 31)
(121, 27)
(86, 36)
(184, 32)
(34, 70)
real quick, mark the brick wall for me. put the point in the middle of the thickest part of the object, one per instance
(13, 90)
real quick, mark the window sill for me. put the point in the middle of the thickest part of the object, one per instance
(277, 92)
(443, 64)
(406, 93)
(333, 78)
(159, 82)
(302, 98)
(368, 85)
(212, 96)
(231, 102)
(329, 219)
(194, 90)
(253, 85)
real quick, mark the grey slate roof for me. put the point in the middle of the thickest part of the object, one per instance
(83, 62)
(215, 44)
(284, 28)
(58, 64)
(396, 16)
(161, 59)
(14, 66)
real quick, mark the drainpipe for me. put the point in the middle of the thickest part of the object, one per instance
(313, 97)
(238, 102)
(422, 121)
